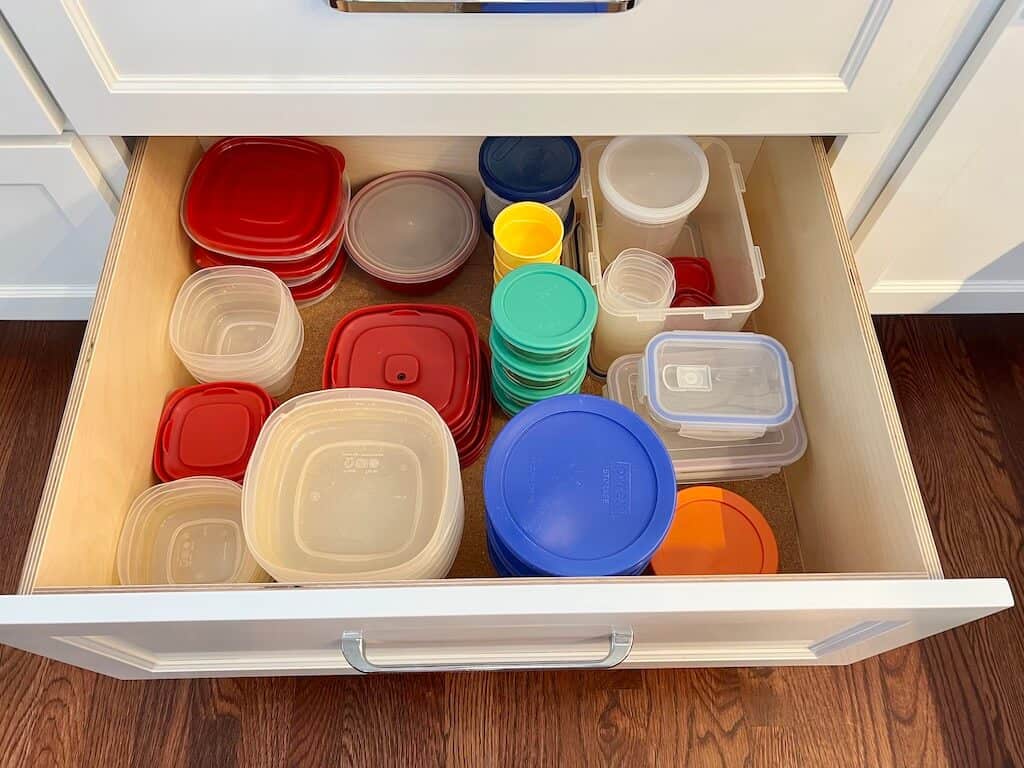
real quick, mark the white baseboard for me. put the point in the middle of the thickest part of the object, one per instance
(46, 302)
(915, 297)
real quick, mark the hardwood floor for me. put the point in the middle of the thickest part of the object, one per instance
(951, 700)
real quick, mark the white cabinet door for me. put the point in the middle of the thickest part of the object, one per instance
(56, 215)
(25, 106)
(947, 235)
(264, 66)
(492, 625)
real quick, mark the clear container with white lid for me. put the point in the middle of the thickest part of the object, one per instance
(718, 386)
(700, 460)
(354, 485)
(186, 531)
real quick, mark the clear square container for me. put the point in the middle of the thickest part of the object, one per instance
(718, 386)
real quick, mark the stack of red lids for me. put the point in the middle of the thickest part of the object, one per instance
(210, 430)
(276, 203)
(432, 351)
(695, 282)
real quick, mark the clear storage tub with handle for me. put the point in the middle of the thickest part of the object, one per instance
(717, 230)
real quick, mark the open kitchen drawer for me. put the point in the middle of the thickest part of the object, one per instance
(867, 577)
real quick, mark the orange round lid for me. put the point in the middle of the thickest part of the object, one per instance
(716, 531)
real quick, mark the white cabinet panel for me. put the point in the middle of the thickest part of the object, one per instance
(25, 106)
(56, 215)
(262, 66)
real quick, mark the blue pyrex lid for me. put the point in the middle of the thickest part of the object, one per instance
(567, 223)
(537, 168)
(734, 380)
(577, 485)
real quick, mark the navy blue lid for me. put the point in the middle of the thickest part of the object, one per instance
(537, 168)
(578, 485)
(485, 218)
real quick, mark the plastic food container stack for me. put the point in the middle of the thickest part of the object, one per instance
(277, 203)
(524, 234)
(577, 486)
(714, 246)
(431, 351)
(354, 485)
(186, 532)
(412, 231)
(718, 386)
(542, 317)
(701, 460)
(539, 169)
(209, 430)
(237, 324)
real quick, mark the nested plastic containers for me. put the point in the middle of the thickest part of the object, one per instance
(650, 184)
(237, 324)
(186, 532)
(278, 203)
(577, 486)
(540, 169)
(716, 230)
(412, 231)
(526, 233)
(354, 485)
(701, 460)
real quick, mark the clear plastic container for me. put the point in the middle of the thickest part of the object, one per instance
(186, 532)
(700, 461)
(496, 204)
(718, 386)
(238, 324)
(650, 185)
(637, 280)
(354, 485)
(717, 231)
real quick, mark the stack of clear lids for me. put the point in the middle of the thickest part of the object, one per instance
(276, 203)
(724, 404)
(237, 324)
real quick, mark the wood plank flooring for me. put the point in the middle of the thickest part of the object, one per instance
(952, 700)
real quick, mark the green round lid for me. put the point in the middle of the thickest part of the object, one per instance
(544, 308)
(519, 394)
(535, 370)
(510, 408)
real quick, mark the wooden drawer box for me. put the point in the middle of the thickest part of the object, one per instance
(862, 575)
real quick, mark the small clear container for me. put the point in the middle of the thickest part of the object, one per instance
(704, 461)
(637, 279)
(186, 532)
(718, 386)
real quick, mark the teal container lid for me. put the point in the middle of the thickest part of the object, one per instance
(544, 308)
(535, 370)
(509, 407)
(519, 394)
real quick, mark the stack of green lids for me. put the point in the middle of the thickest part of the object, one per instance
(542, 316)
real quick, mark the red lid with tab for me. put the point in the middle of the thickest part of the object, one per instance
(210, 429)
(290, 271)
(271, 198)
(427, 350)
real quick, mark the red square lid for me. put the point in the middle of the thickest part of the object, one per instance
(694, 272)
(264, 197)
(210, 429)
(305, 269)
(473, 441)
(428, 350)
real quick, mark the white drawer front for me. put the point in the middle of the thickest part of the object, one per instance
(27, 107)
(263, 66)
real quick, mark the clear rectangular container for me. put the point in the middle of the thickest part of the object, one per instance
(717, 230)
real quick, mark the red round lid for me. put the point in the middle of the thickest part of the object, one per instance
(694, 272)
(300, 269)
(264, 197)
(428, 350)
(210, 429)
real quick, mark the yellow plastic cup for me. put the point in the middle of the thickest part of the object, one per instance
(528, 233)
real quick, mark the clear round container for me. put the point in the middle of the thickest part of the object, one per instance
(237, 323)
(186, 532)
(496, 203)
(354, 485)
(650, 184)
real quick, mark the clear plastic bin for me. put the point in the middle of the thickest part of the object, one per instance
(717, 230)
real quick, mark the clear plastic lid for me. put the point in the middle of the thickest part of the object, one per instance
(697, 460)
(411, 227)
(718, 385)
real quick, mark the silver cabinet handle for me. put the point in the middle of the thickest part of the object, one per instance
(482, 6)
(353, 648)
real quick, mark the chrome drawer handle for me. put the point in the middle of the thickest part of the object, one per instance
(353, 648)
(482, 6)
